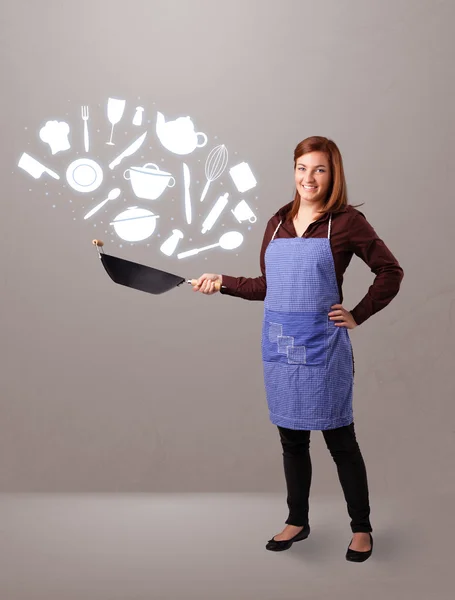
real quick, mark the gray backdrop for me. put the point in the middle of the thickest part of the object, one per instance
(108, 389)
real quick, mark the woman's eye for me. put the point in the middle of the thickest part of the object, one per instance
(303, 168)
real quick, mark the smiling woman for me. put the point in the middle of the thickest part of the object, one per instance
(306, 350)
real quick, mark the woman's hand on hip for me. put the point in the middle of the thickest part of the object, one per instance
(342, 317)
(206, 283)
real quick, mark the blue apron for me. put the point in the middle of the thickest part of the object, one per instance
(307, 359)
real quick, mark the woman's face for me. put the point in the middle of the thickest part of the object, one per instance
(313, 177)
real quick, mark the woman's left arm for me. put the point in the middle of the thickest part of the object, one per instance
(367, 245)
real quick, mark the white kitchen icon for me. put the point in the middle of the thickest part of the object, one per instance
(243, 177)
(135, 224)
(242, 212)
(34, 168)
(115, 109)
(84, 175)
(137, 119)
(168, 247)
(148, 182)
(55, 133)
(215, 213)
(179, 136)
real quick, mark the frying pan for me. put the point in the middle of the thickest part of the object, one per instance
(140, 277)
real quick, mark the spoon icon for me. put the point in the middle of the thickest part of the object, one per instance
(228, 241)
(113, 194)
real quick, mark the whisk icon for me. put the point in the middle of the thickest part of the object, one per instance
(214, 166)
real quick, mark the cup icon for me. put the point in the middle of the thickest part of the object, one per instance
(242, 212)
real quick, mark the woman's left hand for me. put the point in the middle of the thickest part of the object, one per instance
(342, 316)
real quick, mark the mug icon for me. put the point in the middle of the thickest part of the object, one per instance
(242, 212)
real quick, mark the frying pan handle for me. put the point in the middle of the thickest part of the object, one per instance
(217, 284)
(98, 243)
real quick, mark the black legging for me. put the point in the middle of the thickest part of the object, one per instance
(345, 451)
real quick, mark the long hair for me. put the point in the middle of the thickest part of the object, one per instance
(337, 195)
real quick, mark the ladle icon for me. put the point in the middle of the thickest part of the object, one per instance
(228, 241)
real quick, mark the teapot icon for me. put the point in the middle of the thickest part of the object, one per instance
(179, 136)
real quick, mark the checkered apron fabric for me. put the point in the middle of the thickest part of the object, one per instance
(307, 360)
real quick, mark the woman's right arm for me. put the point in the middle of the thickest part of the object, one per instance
(249, 288)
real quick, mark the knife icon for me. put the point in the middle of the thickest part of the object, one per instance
(186, 183)
(132, 148)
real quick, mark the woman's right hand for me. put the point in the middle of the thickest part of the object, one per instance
(206, 283)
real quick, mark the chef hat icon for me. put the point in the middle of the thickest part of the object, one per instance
(55, 133)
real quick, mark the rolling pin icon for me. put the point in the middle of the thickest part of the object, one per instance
(215, 212)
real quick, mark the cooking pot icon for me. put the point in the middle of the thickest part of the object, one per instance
(148, 182)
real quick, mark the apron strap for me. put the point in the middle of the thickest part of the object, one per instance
(330, 227)
(276, 230)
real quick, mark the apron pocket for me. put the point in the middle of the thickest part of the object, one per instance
(284, 343)
(275, 329)
(300, 339)
(296, 355)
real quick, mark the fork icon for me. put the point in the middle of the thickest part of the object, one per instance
(85, 119)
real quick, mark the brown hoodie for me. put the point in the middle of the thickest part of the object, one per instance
(350, 234)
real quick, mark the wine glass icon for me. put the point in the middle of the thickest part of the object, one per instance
(115, 110)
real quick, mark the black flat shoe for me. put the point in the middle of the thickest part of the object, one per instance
(356, 555)
(277, 545)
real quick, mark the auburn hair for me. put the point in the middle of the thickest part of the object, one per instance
(337, 196)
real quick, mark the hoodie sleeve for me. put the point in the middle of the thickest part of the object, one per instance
(250, 288)
(367, 245)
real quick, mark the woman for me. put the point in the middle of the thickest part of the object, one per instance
(306, 350)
